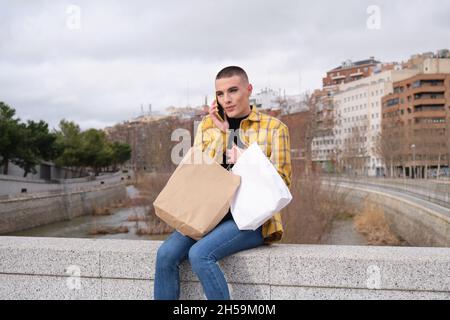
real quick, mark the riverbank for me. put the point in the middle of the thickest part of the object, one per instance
(87, 226)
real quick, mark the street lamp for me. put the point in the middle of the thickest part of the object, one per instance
(413, 147)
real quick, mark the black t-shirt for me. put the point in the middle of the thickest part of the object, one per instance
(234, 124)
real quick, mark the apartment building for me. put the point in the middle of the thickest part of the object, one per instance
(357, 121)
(415, 117)
(324, 147)
(323, 143)
(350, 71)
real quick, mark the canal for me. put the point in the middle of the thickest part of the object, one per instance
(82, 227)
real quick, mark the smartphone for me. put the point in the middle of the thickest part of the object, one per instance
(221, 111)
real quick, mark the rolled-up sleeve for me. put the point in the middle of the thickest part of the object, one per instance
(281, 153)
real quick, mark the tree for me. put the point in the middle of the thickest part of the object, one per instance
(354, 153)
(89, 148)
(99, 153)
(92, 150)
(36, 144)
(121, 153)
(447, 139)
(68, 144)
(10, 135)
(387, 144)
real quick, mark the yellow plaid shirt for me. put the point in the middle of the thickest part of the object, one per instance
(272, 136)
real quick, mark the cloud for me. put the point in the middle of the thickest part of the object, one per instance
(168, 52)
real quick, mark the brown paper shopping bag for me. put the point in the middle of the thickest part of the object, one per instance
(197, 195)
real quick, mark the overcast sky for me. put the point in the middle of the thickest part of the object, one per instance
(96, 62)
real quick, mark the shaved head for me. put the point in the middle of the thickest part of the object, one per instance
(231, 71)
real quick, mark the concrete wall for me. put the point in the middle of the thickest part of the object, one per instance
(44, 170)
(418, 222)
(435, 191)
(12, 186)
(32, 211)
(52, 268)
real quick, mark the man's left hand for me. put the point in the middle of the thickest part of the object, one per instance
(233, 154)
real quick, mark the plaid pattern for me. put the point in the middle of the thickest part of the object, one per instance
(272, 136)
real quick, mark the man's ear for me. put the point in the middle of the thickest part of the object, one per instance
(250, 89)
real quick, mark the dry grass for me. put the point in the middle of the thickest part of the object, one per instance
(156, 226)
(310, 214)
(371, 222)
(108, 230)
(137, 217)
(139, 201)
(149, 186)
(102, 211)
(118, 204)
(109, 209)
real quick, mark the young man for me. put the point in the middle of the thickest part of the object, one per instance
(224, 140)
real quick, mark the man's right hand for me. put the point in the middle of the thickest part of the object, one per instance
(213, 109)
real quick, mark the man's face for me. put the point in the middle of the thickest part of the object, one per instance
(233, 95)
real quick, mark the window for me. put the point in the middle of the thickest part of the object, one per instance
(416, 84)
(392, 102)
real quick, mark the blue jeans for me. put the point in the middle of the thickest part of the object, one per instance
(226, 239)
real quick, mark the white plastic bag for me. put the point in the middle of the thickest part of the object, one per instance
(262, 191)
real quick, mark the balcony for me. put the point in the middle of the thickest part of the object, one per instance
(429, 111)
(429, 101)
(338, 77)
(429, 95)
(429, 121)
(356, 74)
(427, 82)
(428, 88)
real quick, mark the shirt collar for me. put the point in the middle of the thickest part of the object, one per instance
(254, 114)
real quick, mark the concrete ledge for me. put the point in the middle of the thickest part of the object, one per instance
(55, 268)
